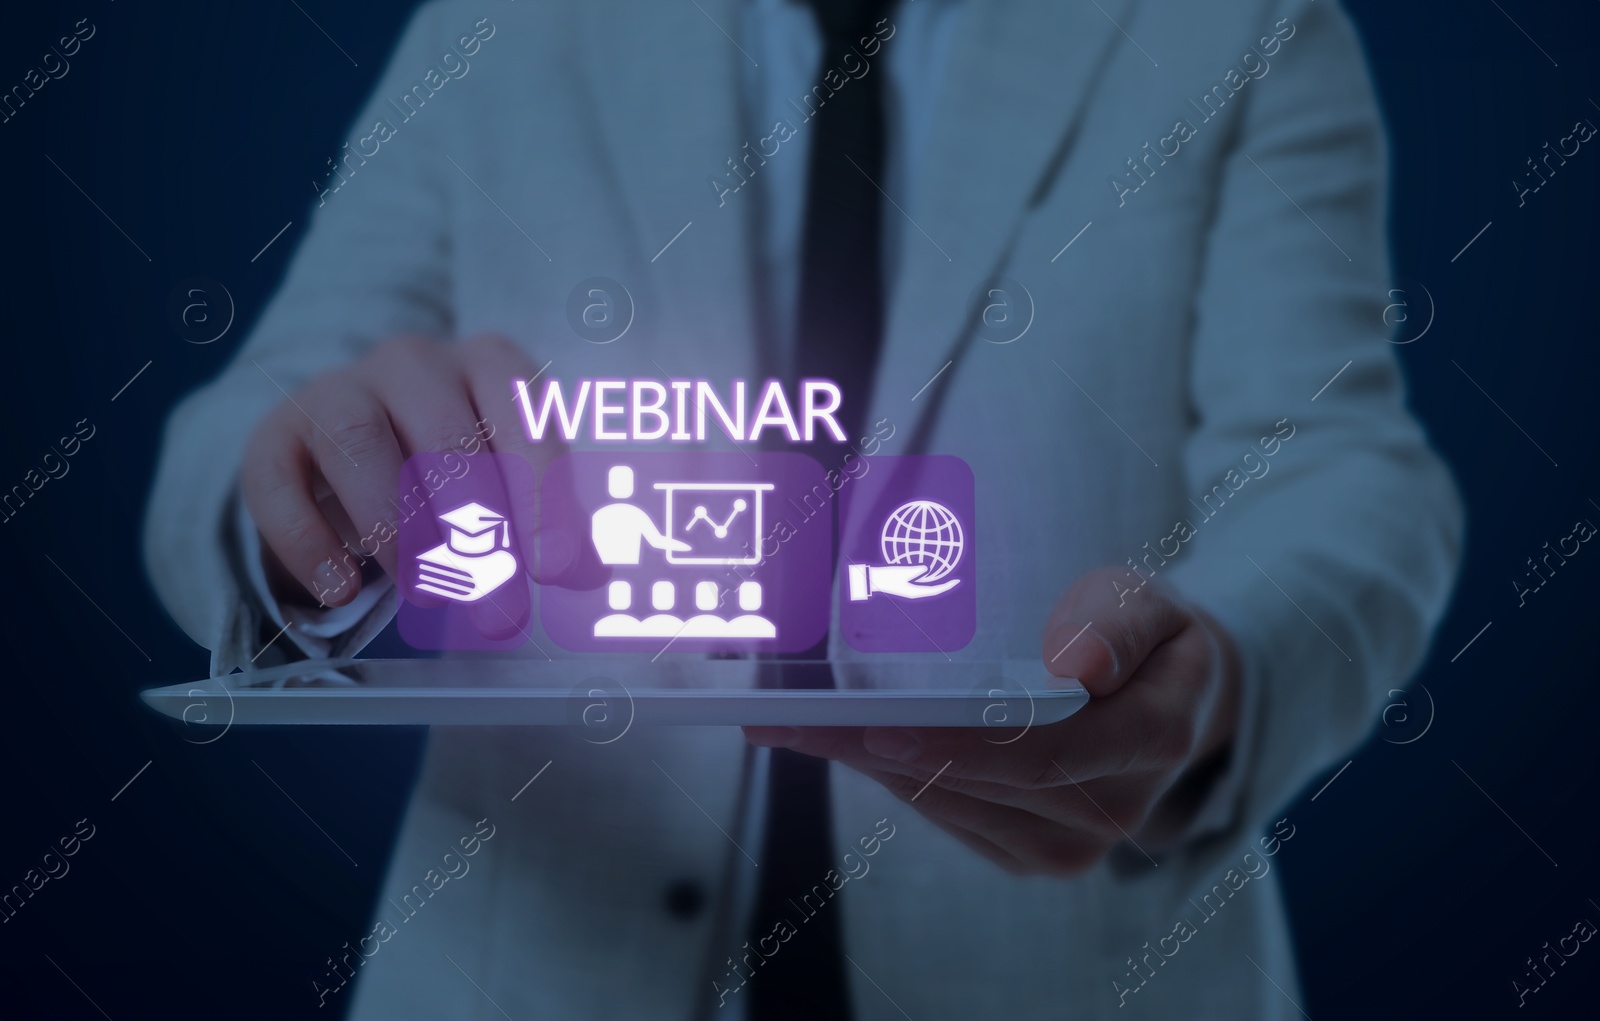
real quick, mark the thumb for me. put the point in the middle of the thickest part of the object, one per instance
(1101, 638)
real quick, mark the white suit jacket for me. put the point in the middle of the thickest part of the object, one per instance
(1212, 296)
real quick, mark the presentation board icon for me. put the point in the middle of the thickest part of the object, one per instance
(729, 536)
(706, 551)
(907, 556)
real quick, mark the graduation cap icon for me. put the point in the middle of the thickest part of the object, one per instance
(476, 530)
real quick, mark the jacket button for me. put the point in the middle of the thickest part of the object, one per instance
(684, 899)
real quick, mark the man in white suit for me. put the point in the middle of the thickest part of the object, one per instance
(1185, 203)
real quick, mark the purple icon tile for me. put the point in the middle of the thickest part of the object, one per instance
(464, 538)
(700, 551)
(907, 565)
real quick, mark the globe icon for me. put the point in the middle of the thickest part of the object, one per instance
(926, 534)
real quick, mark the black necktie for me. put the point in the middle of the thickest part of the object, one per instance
(839, 333)
(841, 274)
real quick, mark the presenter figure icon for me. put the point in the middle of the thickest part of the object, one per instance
(619, 529)
(474, 560)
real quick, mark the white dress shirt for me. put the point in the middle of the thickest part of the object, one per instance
(783, 38)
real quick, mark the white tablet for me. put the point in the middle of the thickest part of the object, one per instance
(482, 692)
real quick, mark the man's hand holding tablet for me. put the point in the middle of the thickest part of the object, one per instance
(1164, 677)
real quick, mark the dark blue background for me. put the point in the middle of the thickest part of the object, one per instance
(206, 893)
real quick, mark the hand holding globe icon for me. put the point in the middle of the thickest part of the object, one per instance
(922, 542)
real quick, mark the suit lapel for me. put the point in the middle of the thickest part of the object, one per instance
(1017, 80)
